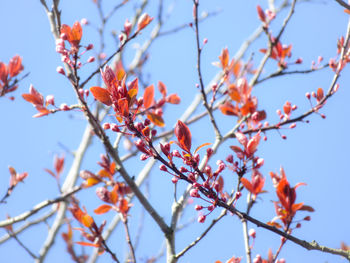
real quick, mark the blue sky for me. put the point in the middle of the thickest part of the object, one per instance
(314, 153)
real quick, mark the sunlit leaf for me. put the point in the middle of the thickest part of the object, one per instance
(75, 34)
(173, 99)
(123, 206)
(101, 94)
(234, 93)
(228, 109)
(87, 244)
(102, 209)
(247, 185)
(143, 21)
(156, 119)
(148, 96)
(320, 94)
(224, 58)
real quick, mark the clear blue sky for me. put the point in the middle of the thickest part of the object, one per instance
(314, 153)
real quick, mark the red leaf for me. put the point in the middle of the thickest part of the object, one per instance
(224, 58)
(50, 172)
(183, 135)
(148, 96)
(102, 209)
(3, 72)
(15, 66)
(307, 208)
(261, 14)
(123, 107)
(58, 164)
(101, 94)
(162, 88)
(173, 99)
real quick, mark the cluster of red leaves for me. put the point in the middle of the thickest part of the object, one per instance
(339, 65)
(95, 233)
(205, 181)
(240, 102)
(8, 73)
(15, 178)
(279, 52)
(286, 207)
(104, 175)
(68, 238)
(37, 100)
(72, 34)
(115, 199)
(123, 98)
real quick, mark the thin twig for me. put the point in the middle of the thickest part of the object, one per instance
(200, 77)
(38, 207)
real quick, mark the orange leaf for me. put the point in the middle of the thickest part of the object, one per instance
(114, 194)
(101, 94)
(143, 21)
(247, 108)
(91, 181)
(120, 72)
(183, 135)
(33, 98)
(173, 99)
(234, 94)
(224, 58)
(42, 112)
(75, 34)
(156, 119)
(228, 109)
(200, 146)
(87, 244)
(102, 209)
(320, 94)
(148, 96)
(275, 224)
(247, 185)
(162, 88)
(65, 29)
(133, 90)
(123, 206)
(87, 220)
